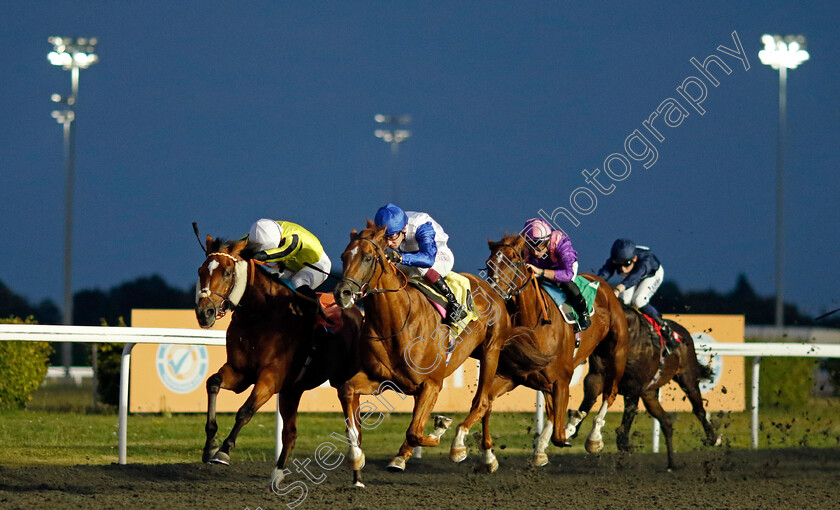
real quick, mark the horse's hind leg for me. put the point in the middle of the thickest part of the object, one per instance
(288, 410)
(480, 403)
(264, 388)
(622, 432)
(651, 401)
(691, 388)
(227, 378)
(593, 385)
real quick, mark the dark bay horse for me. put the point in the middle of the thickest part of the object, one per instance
(604, 343)
(268, 343)
(645, 374)
(403, 345)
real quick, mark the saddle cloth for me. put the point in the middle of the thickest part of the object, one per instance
(588, 289)
(652, 323)
(460, 286)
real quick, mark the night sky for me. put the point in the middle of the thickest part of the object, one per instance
(226, 112)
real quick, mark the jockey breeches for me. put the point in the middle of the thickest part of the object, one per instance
(640, 295)
(309, 276)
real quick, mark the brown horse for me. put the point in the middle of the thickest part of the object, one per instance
(268, 344)
(604, 343)
(403, 346)
(647, 372)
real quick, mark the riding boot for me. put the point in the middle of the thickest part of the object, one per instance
(454, 311)
(671, 343)
(575, 299)
(308, 302)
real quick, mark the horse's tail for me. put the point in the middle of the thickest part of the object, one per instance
(521, 353)
(704, 372)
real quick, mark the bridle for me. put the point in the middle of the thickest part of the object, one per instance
(518, 265)
(363, 288)
(226, 304)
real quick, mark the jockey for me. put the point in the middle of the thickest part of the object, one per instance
(553, 258)
(295, 251)
(418, 244)
(642, 275)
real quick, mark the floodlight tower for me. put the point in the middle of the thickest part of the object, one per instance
(71, 54)
(781, 53)
(394, 134)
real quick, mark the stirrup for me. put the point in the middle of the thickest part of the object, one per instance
(455, 314)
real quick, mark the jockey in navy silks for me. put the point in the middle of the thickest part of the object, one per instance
(552, 257)
(418, 244)
(642, 274)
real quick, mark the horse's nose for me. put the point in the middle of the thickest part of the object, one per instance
(209, 313)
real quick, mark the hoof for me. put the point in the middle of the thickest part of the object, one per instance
(359, 485)
(594, 446)
(488, 468)
(397, 465)
(442, 422)
(221, 458)
(719, 440)
(277, 476)
(539, 460)
(207, 455)
(458, 454)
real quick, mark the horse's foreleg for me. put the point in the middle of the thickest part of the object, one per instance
(691, 388)
(542, 439)
(423, 405)
(348, 394)
(594, 441)
(651, 401)
(622, 432)
(288, 410)
(228, 378)
(264, 388)
(560, 396)
(480, 403)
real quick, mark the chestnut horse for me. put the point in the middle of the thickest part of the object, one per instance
(647, 372)
(604, 343)
(268, 343)
(403, 346)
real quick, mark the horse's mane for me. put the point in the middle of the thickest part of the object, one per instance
(227, 245)
(513, 240)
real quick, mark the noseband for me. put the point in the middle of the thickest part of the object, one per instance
(226, 303)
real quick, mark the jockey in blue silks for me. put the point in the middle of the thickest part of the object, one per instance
(642, 274)
(418, 244)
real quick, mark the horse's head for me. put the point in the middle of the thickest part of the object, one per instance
(221, 280)
(507, 271)
(363, 263)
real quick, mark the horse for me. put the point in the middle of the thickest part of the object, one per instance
(268, 342)
(604, 344)
(646, 372)
(403, 346)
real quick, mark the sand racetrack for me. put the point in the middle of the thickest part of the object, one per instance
(709, 479)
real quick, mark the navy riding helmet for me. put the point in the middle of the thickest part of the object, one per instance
(623, 250)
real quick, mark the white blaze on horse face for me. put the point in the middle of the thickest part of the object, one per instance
(211, 266)
(354, 251)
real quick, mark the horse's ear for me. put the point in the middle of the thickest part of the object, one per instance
(238, 247)
(493, 244)
(209, 243)
(354, 234)
(370, 223)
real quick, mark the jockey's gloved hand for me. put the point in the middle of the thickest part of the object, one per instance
(393, 256)
(260, 256)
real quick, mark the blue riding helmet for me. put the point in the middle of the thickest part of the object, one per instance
(391, 217)
(622, 250)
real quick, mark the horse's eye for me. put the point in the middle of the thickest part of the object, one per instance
(368, 258)
(228, 273)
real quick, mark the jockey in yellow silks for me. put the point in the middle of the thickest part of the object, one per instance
(299, 256)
